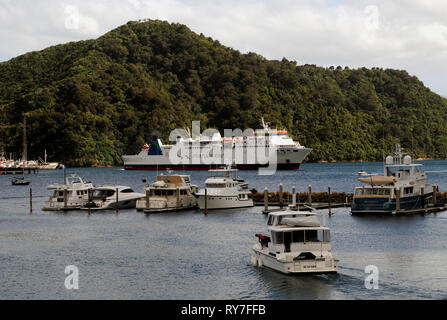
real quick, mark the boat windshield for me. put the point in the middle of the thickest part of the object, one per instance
(162, 192)
(300, 236)
(101, 194)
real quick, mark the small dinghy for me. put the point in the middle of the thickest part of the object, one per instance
(19, 181)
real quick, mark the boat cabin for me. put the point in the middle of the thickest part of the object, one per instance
(298, 239)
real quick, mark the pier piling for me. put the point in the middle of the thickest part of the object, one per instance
(309, 196)
(148, 206)
(65, 198)
(423, 197)
(397, 191)
(281, 202)
(89, 195)
(293, 197)
(434, 195)
(266, 200)
(329, 200)
(117, 205)
(205, 212)
(177, 192)
(31, 200)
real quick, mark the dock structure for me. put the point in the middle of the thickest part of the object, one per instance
(307, 201)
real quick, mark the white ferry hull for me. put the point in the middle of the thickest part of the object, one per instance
(286, 159)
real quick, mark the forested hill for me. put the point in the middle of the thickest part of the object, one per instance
(89, 102)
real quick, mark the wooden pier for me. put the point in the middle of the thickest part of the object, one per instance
(325, 200)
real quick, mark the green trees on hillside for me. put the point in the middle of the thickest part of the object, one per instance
(89, 102)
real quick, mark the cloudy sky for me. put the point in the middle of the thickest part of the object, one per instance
(400, 34)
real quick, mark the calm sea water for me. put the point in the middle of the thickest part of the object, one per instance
(188, 255)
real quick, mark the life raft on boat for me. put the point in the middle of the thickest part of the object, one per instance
(378, 180)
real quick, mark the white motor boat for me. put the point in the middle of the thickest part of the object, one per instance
(224, 190)
(295, 243)
(113, 197)
(73, 194)
(170, 192)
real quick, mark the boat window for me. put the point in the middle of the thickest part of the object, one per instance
(127, 190)
(277, 237)
(103, 193)
(298, 236)
(311, 236)
(270, 221)
(183, 192)
(408, 190)
(215, 185)
(168, 192)
(326, 236)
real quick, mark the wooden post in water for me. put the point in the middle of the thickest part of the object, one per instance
(434, 195)
(397, 191)
(280, 196)
(293, 197)
(309, 195)
(206, 202)
(423, 197)
(148, 204)
(31, 200)
(116, 206)
(266, 200)
(65, 198)
(89, 204)
(329, 200)
(177, 192)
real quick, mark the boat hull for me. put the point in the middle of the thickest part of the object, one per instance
(308, 266)
(383, 205)
(223, 202)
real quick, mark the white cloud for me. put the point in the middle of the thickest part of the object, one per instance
(401, 34)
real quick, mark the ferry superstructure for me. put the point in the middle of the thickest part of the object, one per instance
(261, 148)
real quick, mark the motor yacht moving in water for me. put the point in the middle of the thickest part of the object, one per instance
(295, 243)
(72, 194)
(402, 187)
(170, 192)
(113, 197)
(224, 190)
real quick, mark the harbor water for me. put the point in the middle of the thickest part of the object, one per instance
(189, 255)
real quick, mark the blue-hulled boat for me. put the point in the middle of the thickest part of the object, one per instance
(403, 186)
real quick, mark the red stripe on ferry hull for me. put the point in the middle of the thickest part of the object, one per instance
(281, 166)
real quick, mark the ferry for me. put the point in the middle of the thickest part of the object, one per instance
(403, 186)
(288, 154)
(295, 243)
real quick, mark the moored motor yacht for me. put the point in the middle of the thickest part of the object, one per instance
(224, 190)
(170, 192)
(72, 194)
(295, 243)
(113, 197)
(403, 186)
